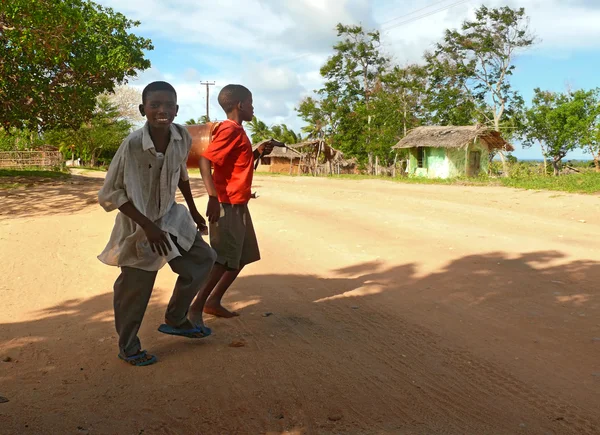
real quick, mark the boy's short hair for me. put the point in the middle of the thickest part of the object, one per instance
(157, 86)
(231, 95)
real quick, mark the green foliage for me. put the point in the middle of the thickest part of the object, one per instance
(518, 169)
(281, 132)
(342, 113)
(202, 120)
(470, 69)
(562, 122)
(7, 174)
(23, 178)
(97, 140)
(367, 104)
(397, 106)
(259, 130)
(19, 140)
(587, 182)
(590, 139)
(318, 122)
(58, 56)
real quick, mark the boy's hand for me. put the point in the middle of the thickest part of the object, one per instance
(200, 221)
(159, 241)
(266, 148)
(213, 211)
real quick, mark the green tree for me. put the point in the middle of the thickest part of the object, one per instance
(283, 133)
(57, 56)
(475, 64)
(590, 101)
(19, 140)
(558, 123)
(202, 120)
(318, 123)
(351, 77)
(447, 102)
(398, 104)
(95, 141)
(259, 130)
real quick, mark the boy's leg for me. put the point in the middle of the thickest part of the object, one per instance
(133, 289)
(197, 308)
(213, 304)
(226, 238)
(242, 231)
(193, 268)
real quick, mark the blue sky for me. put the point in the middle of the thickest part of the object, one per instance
(276, 47)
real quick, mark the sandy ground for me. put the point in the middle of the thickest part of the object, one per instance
(397, 309)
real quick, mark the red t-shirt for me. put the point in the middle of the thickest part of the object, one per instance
(231, 155)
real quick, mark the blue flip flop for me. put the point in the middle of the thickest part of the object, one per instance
(139, 360)
(197, 332)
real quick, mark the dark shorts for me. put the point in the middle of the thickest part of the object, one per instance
(233, 237)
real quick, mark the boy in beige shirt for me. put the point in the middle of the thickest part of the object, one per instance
(151, 228)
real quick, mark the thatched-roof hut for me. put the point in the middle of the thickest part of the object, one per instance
(281, 161)
(446, 152)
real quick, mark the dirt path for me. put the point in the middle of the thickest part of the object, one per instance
(398, 309)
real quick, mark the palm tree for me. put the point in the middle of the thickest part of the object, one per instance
(259, 130)
(289, 136)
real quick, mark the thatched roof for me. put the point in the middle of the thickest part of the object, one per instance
(283, 152)
(306, 143)
(452, 137)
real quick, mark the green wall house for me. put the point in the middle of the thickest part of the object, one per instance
(448, 152)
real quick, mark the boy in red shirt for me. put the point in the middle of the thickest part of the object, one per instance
(232, 234)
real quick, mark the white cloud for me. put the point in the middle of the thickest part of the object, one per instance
(276, 47)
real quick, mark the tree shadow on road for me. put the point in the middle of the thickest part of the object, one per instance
(401, 349)
(63, 197)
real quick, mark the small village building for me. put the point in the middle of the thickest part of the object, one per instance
(281, 161)
(448, 152)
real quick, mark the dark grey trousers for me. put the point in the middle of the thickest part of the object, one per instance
(133, 289)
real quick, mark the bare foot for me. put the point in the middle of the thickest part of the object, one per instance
(219, 311)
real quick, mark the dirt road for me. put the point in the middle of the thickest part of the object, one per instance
(396, 309)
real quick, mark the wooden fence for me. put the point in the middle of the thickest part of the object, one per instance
(30, 159)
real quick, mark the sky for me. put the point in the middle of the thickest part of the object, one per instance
(276, 47)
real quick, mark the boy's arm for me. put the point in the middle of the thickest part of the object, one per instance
(184, 183)
(157, 237)
(264, 148)
(186, 191)
(214, 209)
(114, 196)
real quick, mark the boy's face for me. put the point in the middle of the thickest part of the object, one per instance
(247, 109)
(160, 108)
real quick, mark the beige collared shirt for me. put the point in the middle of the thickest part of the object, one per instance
(148, 179)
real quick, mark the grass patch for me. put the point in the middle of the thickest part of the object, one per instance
(17, 178)
(586, 182)
(92, 168)
(36, 173)
(8, 186)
